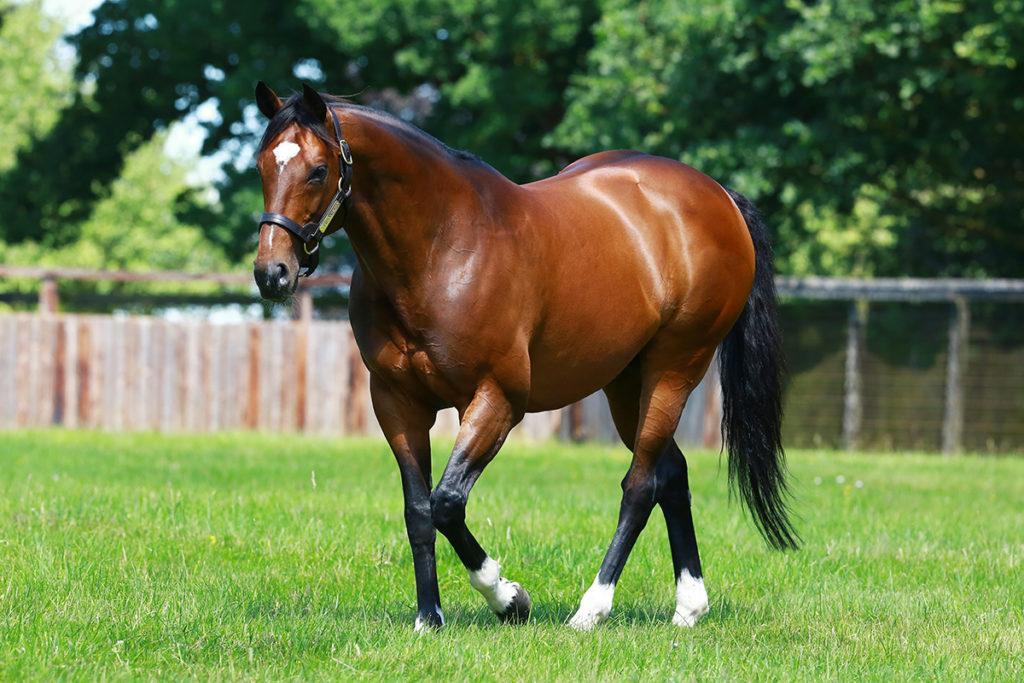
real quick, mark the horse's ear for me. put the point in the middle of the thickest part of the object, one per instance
(267, 100)
(314, 102)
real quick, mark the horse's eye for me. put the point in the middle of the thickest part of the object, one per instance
(318, 174)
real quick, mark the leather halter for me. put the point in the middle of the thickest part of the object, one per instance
(313, 232)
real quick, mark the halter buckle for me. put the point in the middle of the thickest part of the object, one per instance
(346, 153)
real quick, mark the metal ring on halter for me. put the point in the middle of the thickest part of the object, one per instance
(305, 248)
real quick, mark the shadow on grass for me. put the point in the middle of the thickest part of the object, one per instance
(557, 613)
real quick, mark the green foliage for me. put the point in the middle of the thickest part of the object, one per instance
(146, 63)
(216, 557)
(33, 81)
(499, 68)
(134, 227)
(880, 138)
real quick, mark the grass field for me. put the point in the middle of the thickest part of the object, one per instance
(273, 557)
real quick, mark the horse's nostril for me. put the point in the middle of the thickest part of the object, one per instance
(282, 275)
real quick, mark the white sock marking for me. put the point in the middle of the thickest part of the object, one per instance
(595, 606)
(284, 153)
(691, 600)
(498, 592)
(422, 625)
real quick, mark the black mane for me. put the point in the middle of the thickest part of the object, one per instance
(294, 111)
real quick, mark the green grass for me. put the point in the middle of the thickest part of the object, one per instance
(216, 557)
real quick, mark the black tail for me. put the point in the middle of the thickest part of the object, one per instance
(750, 361)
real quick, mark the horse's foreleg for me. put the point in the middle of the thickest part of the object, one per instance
(485, 424)
(406, 425)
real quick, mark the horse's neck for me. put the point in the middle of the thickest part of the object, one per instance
(404, 189)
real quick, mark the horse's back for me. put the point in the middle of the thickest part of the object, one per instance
(634, 245)
(669, 221)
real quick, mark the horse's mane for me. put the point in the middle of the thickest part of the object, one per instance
(293, 110)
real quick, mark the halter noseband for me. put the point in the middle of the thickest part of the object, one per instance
(313, 232)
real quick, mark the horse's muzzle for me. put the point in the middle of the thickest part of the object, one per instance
(275, 280)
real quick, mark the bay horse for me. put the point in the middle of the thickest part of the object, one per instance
(624, 272)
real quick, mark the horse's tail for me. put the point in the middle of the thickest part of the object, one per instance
(750, 362)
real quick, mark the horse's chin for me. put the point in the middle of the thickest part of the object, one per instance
(279, 298)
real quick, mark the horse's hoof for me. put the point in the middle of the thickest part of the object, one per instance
(587, 620)
(429, 620)
(518, 611)
(691, 600)
(595, 606)
(685, 618)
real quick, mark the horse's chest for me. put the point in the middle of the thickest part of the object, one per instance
(407, 363)
(413, 352)
(427, 373)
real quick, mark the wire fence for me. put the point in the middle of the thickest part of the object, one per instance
(926, 365)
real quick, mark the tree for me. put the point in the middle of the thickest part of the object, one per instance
(35, 84)
(881, 138)
(498, 68)
(134, 226)
(495, 72)
(143, 64)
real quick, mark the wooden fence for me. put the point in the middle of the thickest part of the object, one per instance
(139, 373)
(149, 373)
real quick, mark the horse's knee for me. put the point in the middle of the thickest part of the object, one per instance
(639, 492)
(447, 509)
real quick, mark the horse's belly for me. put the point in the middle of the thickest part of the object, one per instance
(572, 362)
(558, 387)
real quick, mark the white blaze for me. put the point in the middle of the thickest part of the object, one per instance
(284, 153)
(691, 600)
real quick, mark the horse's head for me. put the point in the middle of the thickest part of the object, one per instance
(301, 160)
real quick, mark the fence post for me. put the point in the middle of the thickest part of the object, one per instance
(853, 409)
(49, 299)
(303, 310)
(712, 423)
(953, 419)
(576, 422)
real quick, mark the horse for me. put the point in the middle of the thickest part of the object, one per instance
(624, 273)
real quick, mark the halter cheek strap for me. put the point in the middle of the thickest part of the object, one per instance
(313, 232)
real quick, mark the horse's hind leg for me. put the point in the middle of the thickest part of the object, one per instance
(660, 384)
(673, 492)
(674, 498)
